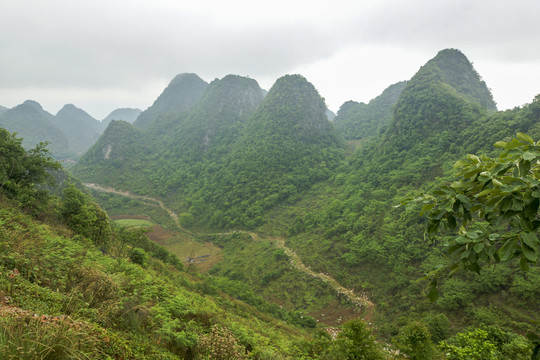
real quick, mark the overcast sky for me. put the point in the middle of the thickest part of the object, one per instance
(105, 54)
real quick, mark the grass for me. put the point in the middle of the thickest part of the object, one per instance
(134, 223)
(185, 246)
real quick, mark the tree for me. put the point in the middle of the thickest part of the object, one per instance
(23, 174)
(354, 342)
(85, 217)
(491, 209)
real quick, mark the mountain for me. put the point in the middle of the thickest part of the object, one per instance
(232, 136)
(3, 109)
(288, 144)
(330, 115)
(126, 114)
(182, 143)
(442, 99)
(360, 121)
(216, 120)
(81, 129)
(35, 125)
(180, 95)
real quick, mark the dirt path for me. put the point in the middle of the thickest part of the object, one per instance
(360, 300)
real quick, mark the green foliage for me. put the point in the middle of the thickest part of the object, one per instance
(354, 342)
(23, 174)
(414, 340)
(85, 217)
(439, 327)
(138, 256)
(221, 344)
(493, 205)
(472, 345)
(486, 344)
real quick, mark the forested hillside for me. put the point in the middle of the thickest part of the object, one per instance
(74, 285)
(229, 158)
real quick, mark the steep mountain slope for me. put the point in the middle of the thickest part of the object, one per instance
(112, 158)
(81, 129)
(35, 125)
(180, 95)
(126, 114)
(287, 145)
(3, 109)
(217, 119)
(360, 121)
(444, 97)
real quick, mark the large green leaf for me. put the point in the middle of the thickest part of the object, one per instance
(507, 250)
(530, 239)
(529, 253)
(524, 137)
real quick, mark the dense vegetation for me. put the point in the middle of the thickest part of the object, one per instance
(236, 160)
(231, 157)
(72, 285)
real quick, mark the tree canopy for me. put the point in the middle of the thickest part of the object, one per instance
(490, 210)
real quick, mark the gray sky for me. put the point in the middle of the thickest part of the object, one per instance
(105, 54)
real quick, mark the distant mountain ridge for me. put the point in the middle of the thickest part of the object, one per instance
(35, 125)
(81, 129)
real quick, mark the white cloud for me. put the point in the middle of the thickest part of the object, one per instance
(348, 49)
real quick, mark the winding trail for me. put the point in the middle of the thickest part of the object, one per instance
(359, 299)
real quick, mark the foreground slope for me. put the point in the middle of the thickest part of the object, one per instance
(73, 285)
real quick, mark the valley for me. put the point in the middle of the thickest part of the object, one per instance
(359, 300)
